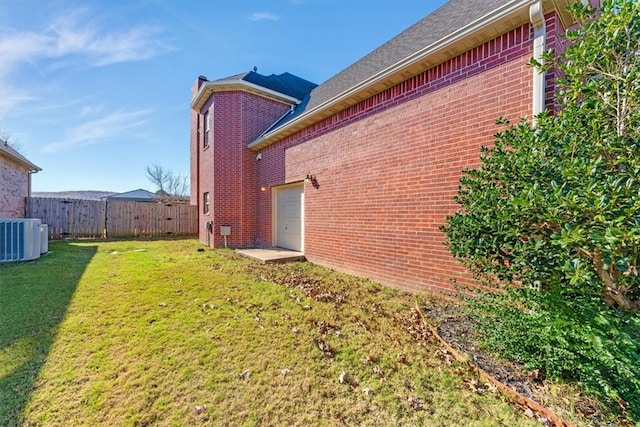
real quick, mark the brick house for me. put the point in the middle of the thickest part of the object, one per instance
(360, 171)
(15, 181)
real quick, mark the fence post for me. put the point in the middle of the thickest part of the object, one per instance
(106, 219)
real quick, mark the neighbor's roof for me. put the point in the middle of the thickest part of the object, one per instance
(138, 195)
(454, 28)
(7, 151)
(283, 87)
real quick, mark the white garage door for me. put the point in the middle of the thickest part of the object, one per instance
(289, 217)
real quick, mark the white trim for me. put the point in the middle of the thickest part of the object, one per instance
(536, 16)
(207, 88)
(206, 132)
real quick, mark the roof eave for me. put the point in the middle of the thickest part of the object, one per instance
(561, 6)
(208, 88)
(23, 161)
(483, 29)
(32, 168)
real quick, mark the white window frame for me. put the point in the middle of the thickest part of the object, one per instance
(207, 129)
(206, 202)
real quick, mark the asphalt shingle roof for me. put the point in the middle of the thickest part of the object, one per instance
(285, 83)
(452, 16)
(449, 18)
(7, 151)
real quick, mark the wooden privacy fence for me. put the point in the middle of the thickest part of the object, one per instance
(77, 218)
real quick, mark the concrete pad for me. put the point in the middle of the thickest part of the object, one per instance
(272, 255)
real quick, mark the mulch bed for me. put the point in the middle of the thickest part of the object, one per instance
(457, 330)
(444, 321)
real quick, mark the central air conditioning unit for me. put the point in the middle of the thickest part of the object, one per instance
(20, 239)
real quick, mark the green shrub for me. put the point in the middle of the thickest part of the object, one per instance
(573, 338)
(556, 207)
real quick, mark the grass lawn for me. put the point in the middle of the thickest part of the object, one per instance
(160, 333)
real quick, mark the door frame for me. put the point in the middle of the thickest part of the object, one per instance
(274, 211)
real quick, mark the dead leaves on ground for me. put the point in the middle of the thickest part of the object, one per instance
(415, 325)
(334, 290)
(415, 403)
(328, 352)
(319, 289)
(412, 322)
(325, 328)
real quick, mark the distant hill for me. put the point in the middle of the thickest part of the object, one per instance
(86, 195)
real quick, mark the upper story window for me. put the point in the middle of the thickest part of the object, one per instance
(205, 203)
(198, 126)
(207, 129)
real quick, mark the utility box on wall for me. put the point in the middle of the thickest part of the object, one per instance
(225, 230)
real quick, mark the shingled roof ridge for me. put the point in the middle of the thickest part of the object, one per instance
(285, 83)
(233, 78)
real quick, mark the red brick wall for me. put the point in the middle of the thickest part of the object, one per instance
(14, 187)
(387, 168)
(558, 44)
(226, 169)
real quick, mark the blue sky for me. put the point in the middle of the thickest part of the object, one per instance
(93, 91)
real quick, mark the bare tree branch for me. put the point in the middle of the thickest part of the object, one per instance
(12, 142)
(168, 184)
(158, 176)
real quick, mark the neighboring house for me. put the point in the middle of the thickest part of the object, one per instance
(360, 172)
(15, 181)
(138, 195)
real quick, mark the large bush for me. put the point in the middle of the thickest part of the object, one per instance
(573, 339)
(552, 214)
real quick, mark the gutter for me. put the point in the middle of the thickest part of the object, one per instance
(536, 16)
(502, 12)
